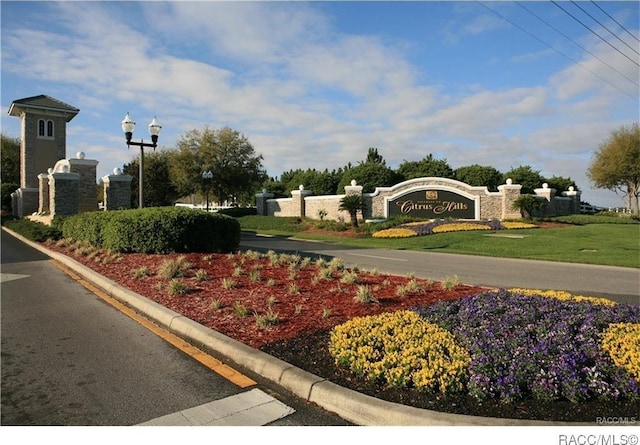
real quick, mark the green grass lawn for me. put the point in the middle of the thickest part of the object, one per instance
(606, 244)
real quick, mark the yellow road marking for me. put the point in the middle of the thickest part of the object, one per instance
(205, 359)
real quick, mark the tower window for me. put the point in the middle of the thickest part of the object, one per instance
(45, 129)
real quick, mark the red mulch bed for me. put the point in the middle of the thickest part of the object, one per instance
(319, 304)
(305, 318)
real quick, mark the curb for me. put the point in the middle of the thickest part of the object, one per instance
(352, 406)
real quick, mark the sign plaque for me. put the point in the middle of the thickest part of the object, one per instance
(432, 204)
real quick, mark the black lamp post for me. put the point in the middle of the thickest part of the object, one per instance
(207, 176)
(128, 126)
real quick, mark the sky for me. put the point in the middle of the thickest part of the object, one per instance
(315, 84)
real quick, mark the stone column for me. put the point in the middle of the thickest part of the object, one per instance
(63, 195)
(26, 202)
(14, 203)
(353, 189)
(86, 168)
(117, 191)
(262, 208)
(43, 197)
(298, 200)
(545, 192)
(575, 199)
(510, 193)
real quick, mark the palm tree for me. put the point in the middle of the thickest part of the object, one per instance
(353, 204)
(527, 204)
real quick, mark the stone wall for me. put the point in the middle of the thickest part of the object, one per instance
(487, 205)
(568, 203)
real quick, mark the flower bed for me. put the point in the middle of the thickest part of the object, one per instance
(400, 349)
(529, 346)
(501, 345)
(441, 226)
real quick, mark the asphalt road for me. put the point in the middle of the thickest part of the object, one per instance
(69, 358)
(618, 283)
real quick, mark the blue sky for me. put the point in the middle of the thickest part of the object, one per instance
(315, 84)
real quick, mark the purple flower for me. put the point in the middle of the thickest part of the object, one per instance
(533, 346)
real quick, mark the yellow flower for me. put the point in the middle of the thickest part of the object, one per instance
(459, 227)
(401, 349)
(517, 225)
(622, 342)
(394, 233)
(563, 295)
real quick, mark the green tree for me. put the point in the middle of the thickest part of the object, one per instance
(616, 164)
(159, 189)
(478, 175)
(10, 160)
(374, 157)
(526, 177)
(427, 167)
(237, 170)
(353, 204)
(369, 175)
(6, 189)
(561, 184)
(275, 186)
(321, 183)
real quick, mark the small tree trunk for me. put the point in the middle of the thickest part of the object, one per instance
(354, 218)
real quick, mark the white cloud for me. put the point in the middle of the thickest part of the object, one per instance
(305, 93)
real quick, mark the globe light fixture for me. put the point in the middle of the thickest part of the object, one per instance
(128, 125)
(207, 177)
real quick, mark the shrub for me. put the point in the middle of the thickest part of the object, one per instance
(155, 230)
(274, 223)
(87, 227)
(32, 230)
(237, 212)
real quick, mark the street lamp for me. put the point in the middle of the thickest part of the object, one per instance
(207, 176)
(128, 126)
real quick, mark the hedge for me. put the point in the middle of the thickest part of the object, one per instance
(33, 230)
(155, 230)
